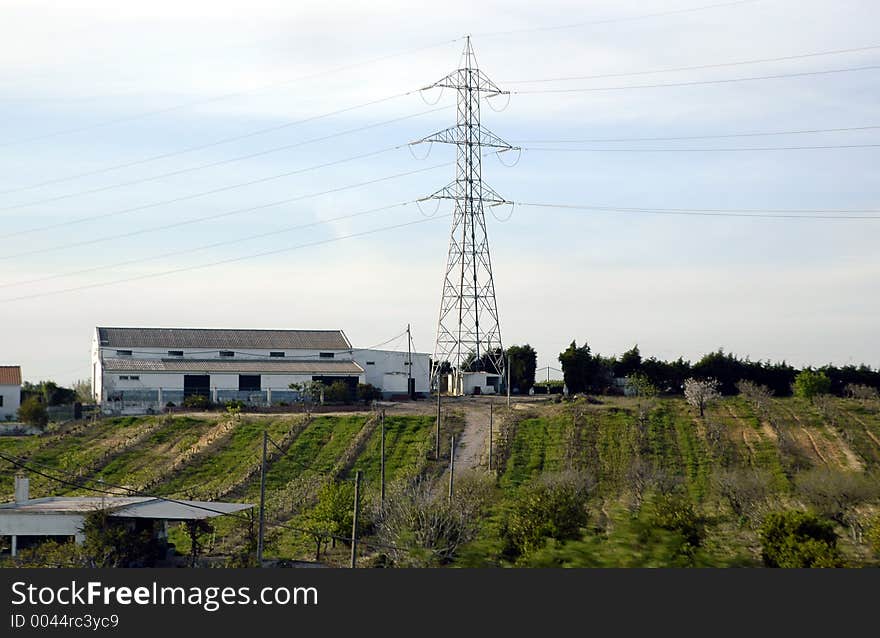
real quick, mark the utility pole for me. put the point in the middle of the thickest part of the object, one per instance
(410, 390)
(437, 442)
(490, 435)
(262, 501)
(451, 466)
(354, 519)
(382, 464)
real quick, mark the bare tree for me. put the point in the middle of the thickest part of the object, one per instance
(757, 395)
(421, 527)
(836, 494)
(861, 392)
(746, 491)
(701, 392)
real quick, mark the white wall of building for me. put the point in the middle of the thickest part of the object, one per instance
(382, 367)
(386, 366)
(10, 397)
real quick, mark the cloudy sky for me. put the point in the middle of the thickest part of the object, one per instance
(142, 138)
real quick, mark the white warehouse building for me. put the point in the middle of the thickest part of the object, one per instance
(139, 369)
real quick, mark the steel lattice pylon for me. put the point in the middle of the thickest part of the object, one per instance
(468, 329)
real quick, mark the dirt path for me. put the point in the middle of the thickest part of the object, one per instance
(864, 425)
(473, 446)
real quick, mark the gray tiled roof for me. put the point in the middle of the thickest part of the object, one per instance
(223, 338)
(233, 367)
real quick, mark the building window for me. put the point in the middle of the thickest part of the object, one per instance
(123, 353)
(227, 353)
(1, 400)
(175, 353)
(327, 355)
(276, 354)
(248, 383)
(123, 377)
(134, 377)
(371, 363)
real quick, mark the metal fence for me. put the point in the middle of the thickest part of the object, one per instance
(152, 400)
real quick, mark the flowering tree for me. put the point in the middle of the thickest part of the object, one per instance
(700, 393)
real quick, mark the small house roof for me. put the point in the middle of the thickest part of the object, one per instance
(126, 507)
(10, 375)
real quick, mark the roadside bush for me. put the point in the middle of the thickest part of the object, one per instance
(366, 392)
(338, 392)
(554, 507)
(33, 412)
(196, 401)
(796, 539)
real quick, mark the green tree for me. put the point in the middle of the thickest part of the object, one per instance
(332, 515)
(579, 367)
(796, 539)
(109, 543)
(309, 390)
(33, 412)
(629, 364)
(523, 363)
(809, 384)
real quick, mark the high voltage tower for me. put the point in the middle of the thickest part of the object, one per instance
(468, 329)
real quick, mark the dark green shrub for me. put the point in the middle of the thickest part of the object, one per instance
(553, 507)
(196, 401)
(367, 392)
(33, 412)
(796, 539)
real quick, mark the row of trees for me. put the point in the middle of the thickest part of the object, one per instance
(587, 372)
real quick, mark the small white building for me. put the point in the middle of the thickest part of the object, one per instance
(10, 392)
(135, 369)
(63, 517)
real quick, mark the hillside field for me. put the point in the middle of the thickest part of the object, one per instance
(729, 470)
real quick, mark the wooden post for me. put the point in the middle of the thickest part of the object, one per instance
(451, 465)
(437, 442)
(509, 359)
(382, 464)
(490, 435)
(354, 520)
(262, 501)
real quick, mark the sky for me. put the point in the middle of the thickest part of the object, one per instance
(123, 126)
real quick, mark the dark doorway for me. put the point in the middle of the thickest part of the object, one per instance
(248, 383)
(412, 388)
(196, 384)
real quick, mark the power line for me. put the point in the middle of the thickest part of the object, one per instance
(182, 198)
(698, 82)
(698, 150)
(199, 147)
(175, 253)
(238, 158)
(697, 67)
(223, 261)
(759, 214)
(645, 16)
(197, 220)
(211, 100)
(700, 137)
